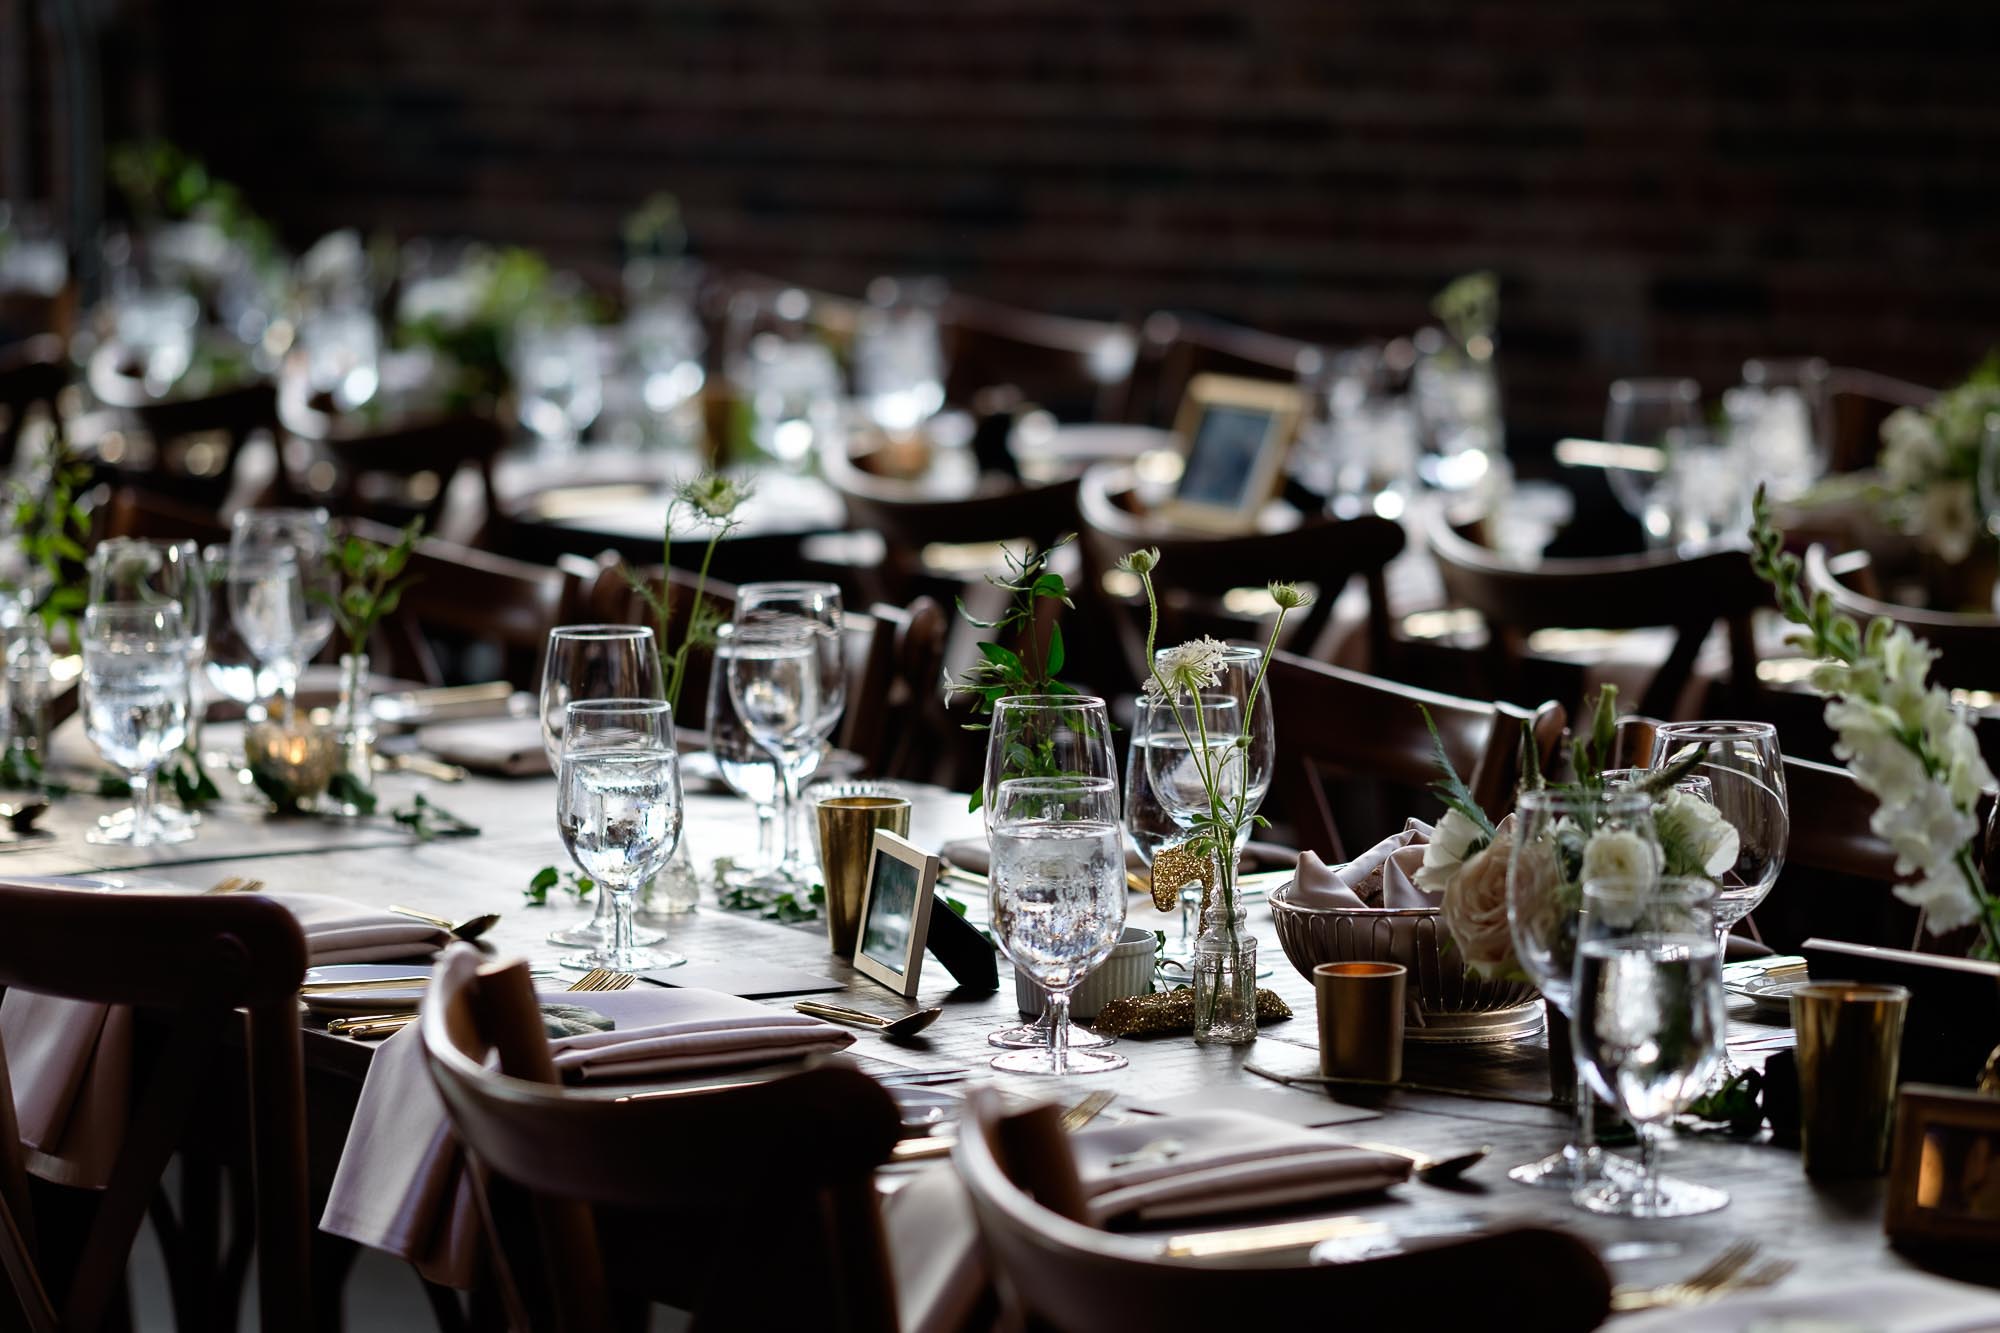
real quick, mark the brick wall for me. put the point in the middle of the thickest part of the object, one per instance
(1664, 185)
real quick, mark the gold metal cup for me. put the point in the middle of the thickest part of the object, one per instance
(1361, 1019)
(1849, 1035)
(847, 827)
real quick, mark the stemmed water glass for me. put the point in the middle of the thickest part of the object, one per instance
(135, 705)
(1662, 414)
(595, 662)
(280, 589)
(788, 638)
(1746, 781)
(1650, 1019)
(1057, 900)
(1045, 736)
(749, 770)
(1553, 827)
(130, 571)
(229, 665)
(618, 806)
(1149, 826)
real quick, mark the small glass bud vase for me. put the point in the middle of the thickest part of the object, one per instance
(1225, 971)
(675, 890)
(27, 697)
(353, 735)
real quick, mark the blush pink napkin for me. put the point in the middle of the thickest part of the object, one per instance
(71, 1062)
(401, 1186)
(1382, 876)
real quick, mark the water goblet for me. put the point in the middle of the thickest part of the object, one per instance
(131, 571)
(280, 589)
(618, 807)
(813, 609)
(1057, 900)
(747, 768)
(135, 706)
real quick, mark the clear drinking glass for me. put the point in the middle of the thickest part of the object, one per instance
(766, 612)
(749, 770)
(1650, 1019)
(1045, 735)
(1553, 832)
(558, 372)
(1660, 414)
(280, 589)
(131, 571)
(1746, 780)
(230, 667)
(1148, 825)
(618, 806)
(135, 705)
(595, 662)
(1057, 900)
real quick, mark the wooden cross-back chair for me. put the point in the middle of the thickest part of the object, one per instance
(1175, 348)
(32, 376)
(1058, 1275)
(1368, 736)
(1197, 571)
(1076, 369)
(1857, 403)
(701, 1203)
(1688, 594)
(403, 473)
(1967, 643)
(195, 961)
(131, 512)
(195, 441)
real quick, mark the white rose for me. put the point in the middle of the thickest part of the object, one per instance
(1694, 834)
(1945, 897)
(1617, 854)
(1474, 906)
(1450, 840)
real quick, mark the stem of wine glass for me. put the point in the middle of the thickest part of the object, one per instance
(1059, 1032)
(767, 837)
(1649, 1182)
(1586, 1130)
(142, 808)
(621, 923)
(788, 802)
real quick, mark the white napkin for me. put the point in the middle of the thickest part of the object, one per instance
(1170, 1168)
(401, 1186)
(71, 1061)
(1889, 1303)
(1382, 876)
(510, 747)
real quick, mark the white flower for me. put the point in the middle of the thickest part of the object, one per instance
(1912, 453)
(1866, 740)
(1947, 519)
(1617, 854)
(1945, 897)
(1191, 667)
(1694, 834)
(1452, 840)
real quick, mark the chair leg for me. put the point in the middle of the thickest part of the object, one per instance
(278, 1137)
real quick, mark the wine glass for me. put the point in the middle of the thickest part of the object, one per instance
(1746, 779)
(1045, 735)
(229, 666)
(131, 571)
(618, 806)
(558, 369)
(1659, 414)
(280, 589)
(1239, 676)
(135, 705)
(595, 662)
(749, 770)
(1554, 829)
(1149, 827)
(1650, 1020)
(1057, 900)
(814, 609)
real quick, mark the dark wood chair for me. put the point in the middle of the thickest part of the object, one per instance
(1174, 348)
(1857, 403)
(135, 513)
(685, 1182)
(1059, 1275)
(32, 375)
(1076, 369)
(1968, 645)
(1688, 594)
(190, 445)
(1197, 571)
(1368, 736)
(192, 962)
(398, 474)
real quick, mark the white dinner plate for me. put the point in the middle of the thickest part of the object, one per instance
(386, 1000)
(922, 1107)
(1771, 994)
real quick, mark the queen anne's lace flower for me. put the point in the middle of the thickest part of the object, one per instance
(1191, 667)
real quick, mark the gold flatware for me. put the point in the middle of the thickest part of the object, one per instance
(1074, 1117)
(1702, 1285)
(601, 979)
(423, 765)
(469, 929)
(906, 1026)
(373, 983)
(1434, 1170)
(371, 1025)
(236, 884)
(1273, 1238)
(1083, 1112)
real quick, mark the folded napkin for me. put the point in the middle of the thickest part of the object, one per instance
(1889, 1303)
(1382, 876)
(1171, 1168)
(71, 1061)
(508, 747)
(401, 1184)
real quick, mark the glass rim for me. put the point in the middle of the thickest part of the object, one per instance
(785, 586)
(1057, 784)
(616, 705)
(1563, 798)
(1716, 730)
(604, 631)
(1049, 701)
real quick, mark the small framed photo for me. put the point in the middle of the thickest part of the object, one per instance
(1234, 436)
(1944, 1174)
(896, 912)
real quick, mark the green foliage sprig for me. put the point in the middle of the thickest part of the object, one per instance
(371, 583)
(53, 525)
(577, 886)
(427, 820)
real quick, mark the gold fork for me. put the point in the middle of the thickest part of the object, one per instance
(1074, 1117)
(236, 884)
(601, 979)
(1083, 1112)
(1716, 1276)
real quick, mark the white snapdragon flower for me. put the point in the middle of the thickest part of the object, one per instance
(1905, 671)
(1925, 831)
(1617, 854)
(1944, 896)
(1452, 839)
(1695, 833)
(1865, 739)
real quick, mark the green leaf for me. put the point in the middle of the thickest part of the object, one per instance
(1001, 657)
(1056, 655)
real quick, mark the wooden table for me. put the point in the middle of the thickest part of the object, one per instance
(1829, 1231)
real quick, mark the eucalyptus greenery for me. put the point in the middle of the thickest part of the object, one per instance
(53, 524)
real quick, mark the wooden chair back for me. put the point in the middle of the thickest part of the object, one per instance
(1368, 736)
(196, 960)
(1077, 369)
(1688, 594)
(1199, 570)
(895, 704)
(195, 441)
(407, 472)
(699, 1164)
(32, 375)
(1857, 403)
(131, 512)
(1174, 348)
(1968, 645)
(1056, 1273)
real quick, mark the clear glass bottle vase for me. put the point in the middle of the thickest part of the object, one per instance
(354, 738)
(1225, 968)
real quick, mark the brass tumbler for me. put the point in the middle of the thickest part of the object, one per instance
(847, 827)
(1849, 1035)
(1361, 1020)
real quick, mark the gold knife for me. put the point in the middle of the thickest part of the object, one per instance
(1272, 1238)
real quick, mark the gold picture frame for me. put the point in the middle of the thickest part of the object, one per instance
(1944, 1172)
(1234, 438)
(896, 913)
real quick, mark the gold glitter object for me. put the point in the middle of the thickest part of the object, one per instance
(1174, 868)
(1168, 1012)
